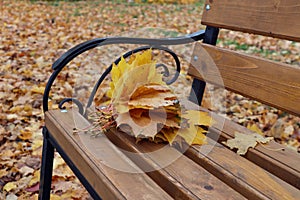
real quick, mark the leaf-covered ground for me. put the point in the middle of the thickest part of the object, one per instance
(35, 33)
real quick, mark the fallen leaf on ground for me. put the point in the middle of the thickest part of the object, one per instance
(33, 188)
(39, 90)
(25, 170)
(35, 179)
(11, 197)
(25, 135)
(255, 128)
(10, 186)
(31, 39)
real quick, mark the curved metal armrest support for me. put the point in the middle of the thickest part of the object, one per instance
(60, 63)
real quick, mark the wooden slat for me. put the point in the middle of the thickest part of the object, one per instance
(276, 158)
(246, 177)
(269, 82)
(242, 175)
(108, 182)
(285, 163)
(177, 177)
(176, 174)
(269, 17)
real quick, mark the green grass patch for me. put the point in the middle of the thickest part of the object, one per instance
(238, 46)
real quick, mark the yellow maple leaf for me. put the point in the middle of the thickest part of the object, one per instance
(38, 89)
(133, 79)
(196, 117)
(255, 128)
(140, 89)
(116, 73)
(25, 135)
(10, 186)
(37, 143)
(170, 135)
(159, 138)
(145, 90)
(140, 70)
(142, 59)
(200, 137)
(56, 197)
(35, 179)
(146, 107)
(193, 135)
(153, 100)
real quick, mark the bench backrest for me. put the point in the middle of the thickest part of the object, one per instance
(276, 84)
(274, 18)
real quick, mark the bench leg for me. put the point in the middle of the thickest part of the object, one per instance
(46, 167)
(196, 94)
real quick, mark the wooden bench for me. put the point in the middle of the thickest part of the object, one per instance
(114, 166)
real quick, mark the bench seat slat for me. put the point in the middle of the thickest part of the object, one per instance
(108, 182)
(270, 17)
(284, 164)
(179, 176)
(182, 179)
(242, 175)
(251, 180)
(275, 158)
(269, 82)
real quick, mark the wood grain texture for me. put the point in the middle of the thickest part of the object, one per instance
(269, 82)
(175, 173)
(179, 176)
(273, 157)
(92, 157)
(276, 18)
(249, 179)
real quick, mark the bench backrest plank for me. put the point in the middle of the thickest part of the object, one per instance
(273, 83)
(269, 17)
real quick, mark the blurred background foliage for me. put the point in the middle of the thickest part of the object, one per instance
(137, 1)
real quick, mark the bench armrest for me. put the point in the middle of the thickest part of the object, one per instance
(61, 62)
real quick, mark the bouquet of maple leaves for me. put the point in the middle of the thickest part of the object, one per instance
(144, 106)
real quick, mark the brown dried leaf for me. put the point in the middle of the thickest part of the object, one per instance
(143, 126)
(25, 135)
(25, 170)
(244, 141)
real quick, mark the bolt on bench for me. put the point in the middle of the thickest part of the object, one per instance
(210, 171)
